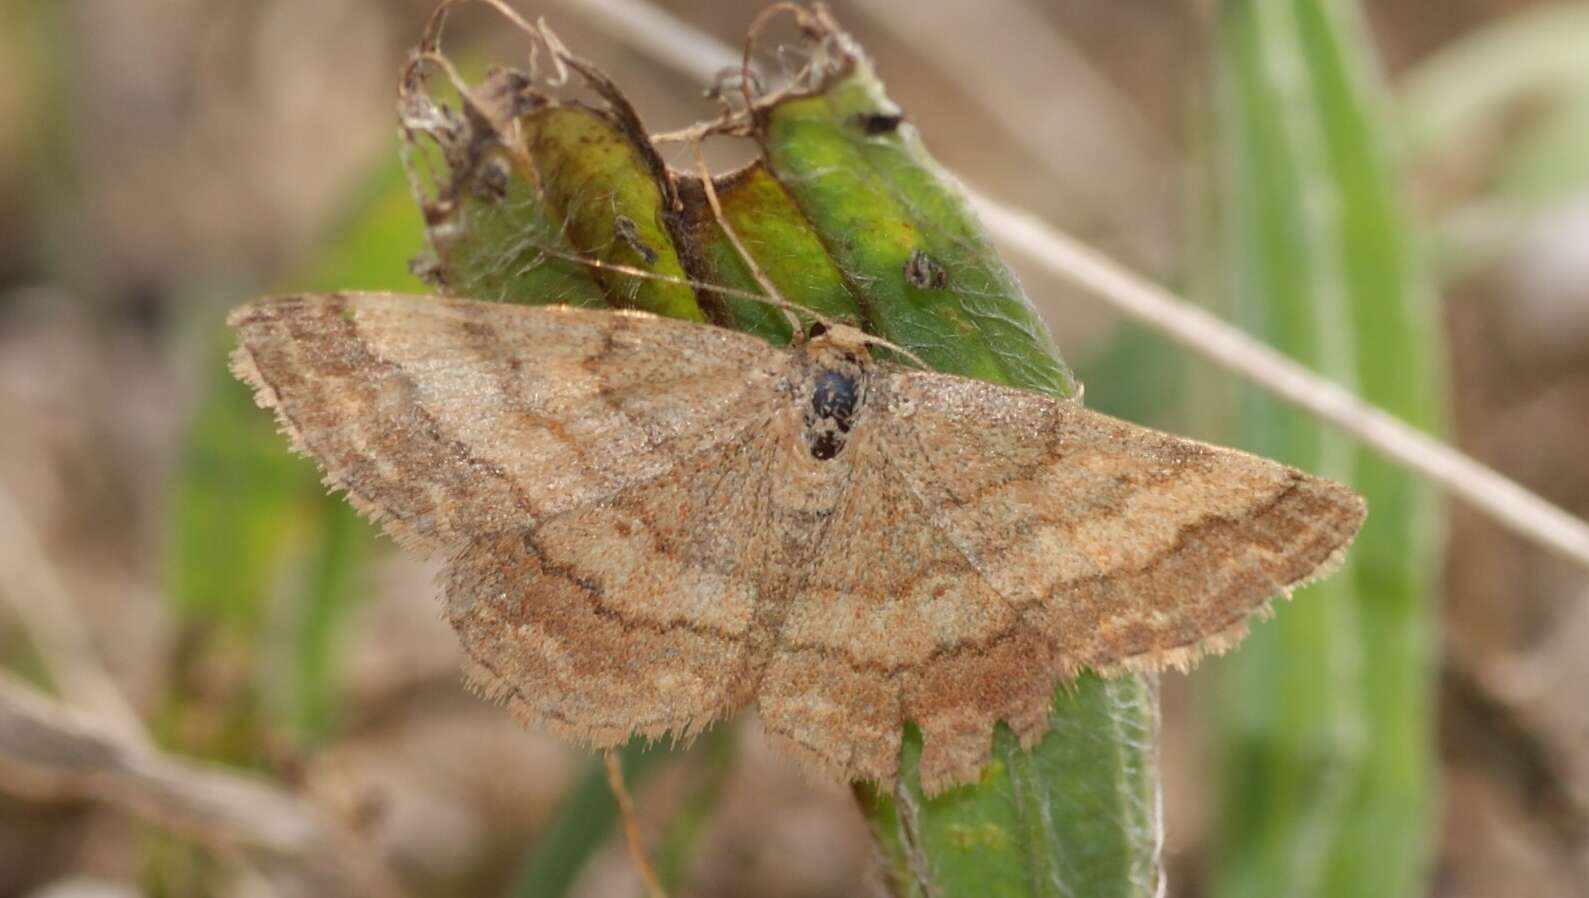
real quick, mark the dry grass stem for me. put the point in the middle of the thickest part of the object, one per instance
(631, 829)
(1497, 496)
(48, 614)
(96, 746)
(51, 751)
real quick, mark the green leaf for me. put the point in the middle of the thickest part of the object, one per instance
(862, 177)
(846, 215)
(1078, 813)
(599, 184)
(781, 243)
(1326, 711)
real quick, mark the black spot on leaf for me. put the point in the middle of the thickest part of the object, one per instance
(626, 230)
(873, 124)
(923, 272)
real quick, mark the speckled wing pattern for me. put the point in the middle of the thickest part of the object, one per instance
(642, 537)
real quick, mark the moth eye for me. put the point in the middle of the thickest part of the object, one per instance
(817, 329)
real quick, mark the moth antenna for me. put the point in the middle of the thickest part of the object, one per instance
(795, 328)
(773, 297)
(788, 307)
(651, 275)
(871, 340)
(696, 132)
(904, 352)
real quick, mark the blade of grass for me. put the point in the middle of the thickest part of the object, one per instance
(243, 508)
(1525, 77)
(1536, 52)
(713, 760)
(370, 251)
(1326, 713)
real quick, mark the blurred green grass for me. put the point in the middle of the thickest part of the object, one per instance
(1326, 712)
(251, 526)
(1526, 74)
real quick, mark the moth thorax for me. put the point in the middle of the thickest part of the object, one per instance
(833, 399)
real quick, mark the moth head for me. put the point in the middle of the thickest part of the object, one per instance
(838, 334)
(835, 339)
(831, 346)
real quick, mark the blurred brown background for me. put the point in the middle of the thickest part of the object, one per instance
(162, 161)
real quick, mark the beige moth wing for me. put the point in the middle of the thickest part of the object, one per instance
(444, 419)
(468, 428)
(1034, 538)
